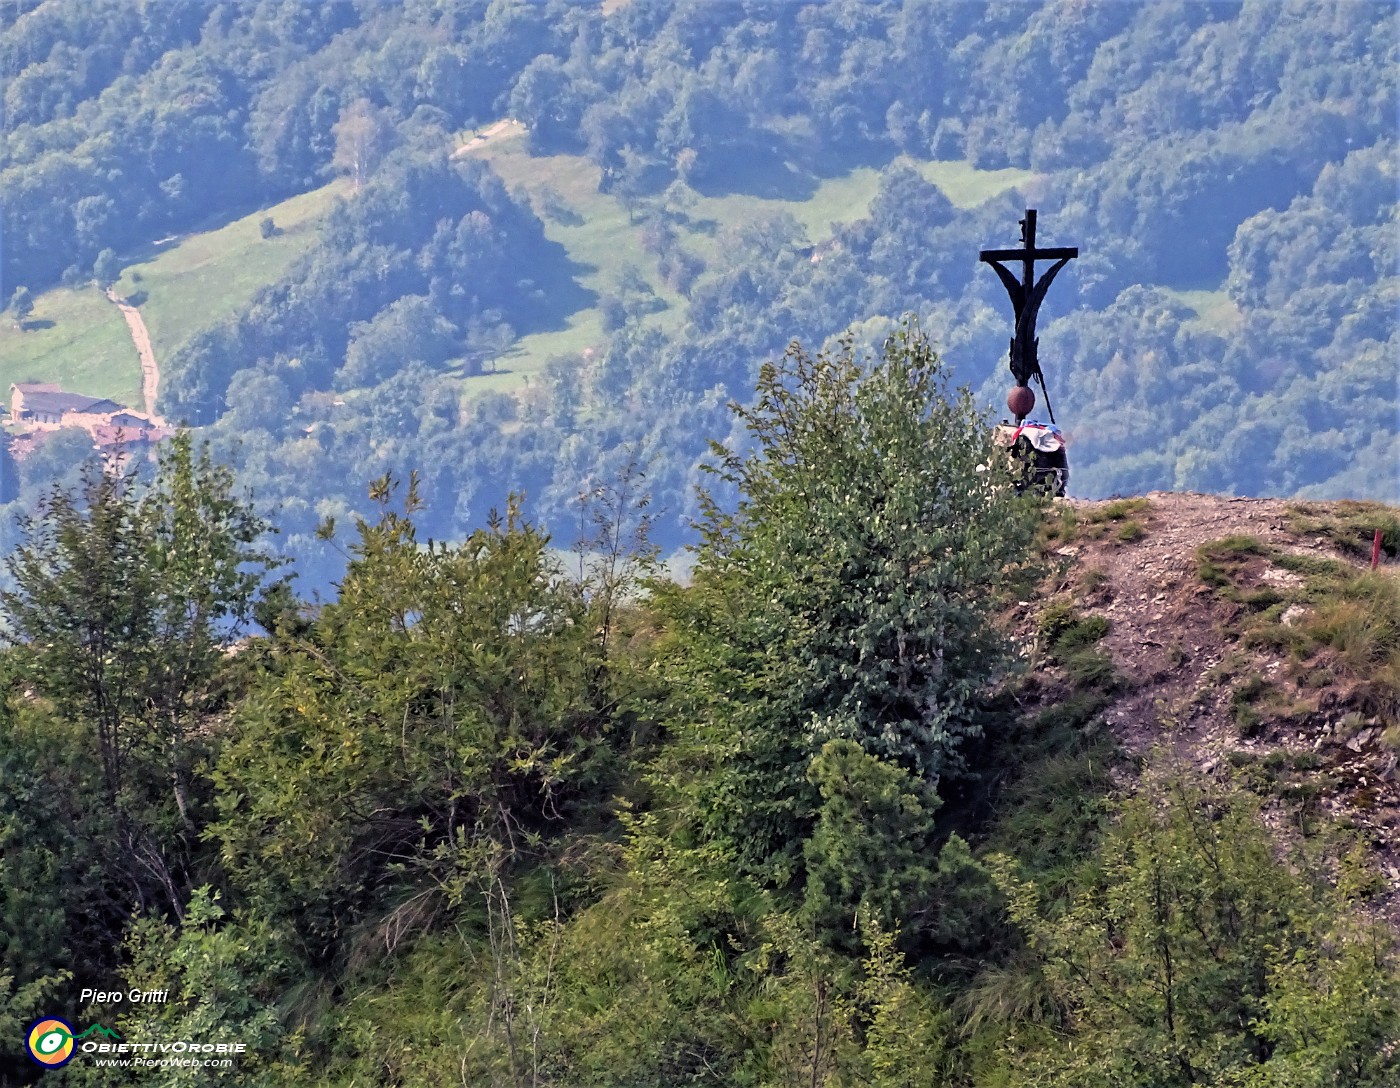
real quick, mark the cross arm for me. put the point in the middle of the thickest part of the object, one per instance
(1063, 253)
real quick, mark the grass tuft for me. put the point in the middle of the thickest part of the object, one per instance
(1118, 510)
(1093, 580)
(1351, 526)
(1217, 561)
(1080, 634)
(1090, 668)
(1071, 639)
(1361, 621)
(1244, 700)
(1061, 525)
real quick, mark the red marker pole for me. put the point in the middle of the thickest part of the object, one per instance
(1376, 551)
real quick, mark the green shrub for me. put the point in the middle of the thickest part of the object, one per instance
(1081, 633)
(1058, 615)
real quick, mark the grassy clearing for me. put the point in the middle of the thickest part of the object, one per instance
(74, 337)
(603, 237)
(1119, 510)
(1336, 626)
(600, 236)
(966, 186)
(1351, 526)
(1122, 521)
(1219, 562)
(81, 341)
(205, 277)
(77, 338)
(528, 355)
(847, 198)
(833, 202)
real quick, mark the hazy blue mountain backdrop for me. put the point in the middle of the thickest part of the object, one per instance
(539, 241)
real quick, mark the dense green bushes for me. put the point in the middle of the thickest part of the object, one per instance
(480, 818)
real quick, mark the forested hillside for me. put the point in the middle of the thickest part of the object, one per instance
(1228, 170)
(917, 781)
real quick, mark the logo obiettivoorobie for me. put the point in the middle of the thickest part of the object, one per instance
(50, 1042)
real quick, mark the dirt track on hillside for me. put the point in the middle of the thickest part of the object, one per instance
(150, 371)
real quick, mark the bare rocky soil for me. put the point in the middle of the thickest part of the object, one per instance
(1176, 641)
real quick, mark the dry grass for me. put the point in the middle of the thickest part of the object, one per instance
(1343, 627)
(1351, 526)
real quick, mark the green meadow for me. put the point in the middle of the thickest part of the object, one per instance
(78, 339)
(201, 278)
(603, 236)
(74, 337)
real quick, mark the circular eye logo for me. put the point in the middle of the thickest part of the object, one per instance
(50, 1042)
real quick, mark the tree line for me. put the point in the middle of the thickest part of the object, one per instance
(492, 814)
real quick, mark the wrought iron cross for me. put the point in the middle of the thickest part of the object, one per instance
(1026, 296)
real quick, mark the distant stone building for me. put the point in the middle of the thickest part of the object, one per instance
(43, 406)
(131, 421)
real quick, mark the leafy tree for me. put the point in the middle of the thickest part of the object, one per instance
(432, 730)
(542, 99)
(1191, 954)
(909, 1038)
(106, 268)
(362, 136)
(407, 331)
(123, 602)
(222, 977)
(43, 874)
(866, 855)
(849, 592)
